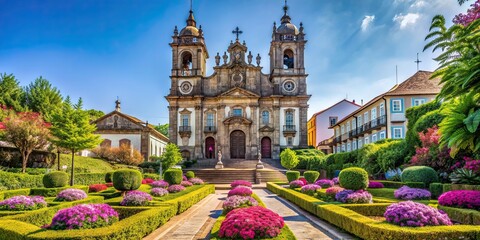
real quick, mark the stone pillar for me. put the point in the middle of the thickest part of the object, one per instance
(303, 127)
(173, 126)
(198, 153)
(277, 125)
(221, 131)
(254, 132)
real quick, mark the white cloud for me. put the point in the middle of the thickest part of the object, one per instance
(367, 20)
(418, 4)
(406, 20)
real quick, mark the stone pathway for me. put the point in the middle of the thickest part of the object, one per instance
(303, 224)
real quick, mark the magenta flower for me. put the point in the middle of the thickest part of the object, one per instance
(414, 214)
(23, 203)
(335, 180)
(175, 188)
(360, 196)
(237, 201)
(325, 183)
(461, 198)
(196, 181)
(296, 184)
(373, 184)
(237, 183)
(71, 194)
(310, 189)
(136, 198)
(186, 184)
(159, 192)
(160, 184)
(83, 216)
(241, 191)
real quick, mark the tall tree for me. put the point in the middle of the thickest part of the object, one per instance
(26, 131)
(42, 97)
(94, 114)
(162, 128)
(11, 94)
(72, 130)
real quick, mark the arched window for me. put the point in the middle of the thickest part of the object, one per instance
(186, 63)
(125, 142)
(288, 59)
(265, 117)
(106, 143)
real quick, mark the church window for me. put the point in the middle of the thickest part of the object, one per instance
(265, 117)
(288, 59)
(186, 64)
(106, 143)
(237, 112)
(185, 120)
(125, 142)
(210, 120)
(289, 118)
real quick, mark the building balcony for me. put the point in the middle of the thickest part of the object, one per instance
(344, 137)
(210, 129)
(289, 128)
(379, 122)
(185, 131)
(337, 140)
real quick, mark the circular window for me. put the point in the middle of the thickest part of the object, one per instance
(186, 87)
(289, 86)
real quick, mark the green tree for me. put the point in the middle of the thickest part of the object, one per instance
(94, 114)
(171, 156)
(288, 159)
(42, 97)
(26, 131)
(162, 128)
(11, 94)
(72, 130)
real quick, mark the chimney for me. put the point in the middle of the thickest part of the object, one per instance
(117, 105)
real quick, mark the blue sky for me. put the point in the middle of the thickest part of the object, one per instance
(99, 50)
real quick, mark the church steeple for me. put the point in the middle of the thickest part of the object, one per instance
(191, 19)
(285, 18)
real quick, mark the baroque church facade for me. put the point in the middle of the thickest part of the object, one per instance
(238, 110)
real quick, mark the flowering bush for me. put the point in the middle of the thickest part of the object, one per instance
(310, 189)
(473, 13)
(296, 184)
(23, 203)
(97, 187)
(461, 198)
(342, 196)
(325, 183)
(360, 196)
(186, 184)
(136, 198)
(159, 192)
(196, 181)
(251, 223)
(236, 201)
(159, 184)
(335, 180)
(184, 178)
(373, 184)
(83, 216)
(71, 194)
(147, 181)
(332, 191)
(237, 183)
(175, 188)
(303, 180)
(414, 214)
(241, 191)
(431, 153)
(407, 193)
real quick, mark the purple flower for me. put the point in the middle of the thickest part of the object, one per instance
(184, 178)
(360, 196)
(341, 196)
(237, 201)
(175, 188)
(414, 214)
(196, 181)
(297, 184)
(83, 216)
(186, 184)
(159, 192)
(310, 189)
(335, 180)
(159, 184)
(71, 194)
(373, 184)
(237, 183)
(136, 198)
(241, 191)
(461, 198)
(325, 183)
(23, 203)
(407, 193)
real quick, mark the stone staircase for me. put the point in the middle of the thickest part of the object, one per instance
(228, 175)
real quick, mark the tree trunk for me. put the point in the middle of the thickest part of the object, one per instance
(73, 166)
(24, 161)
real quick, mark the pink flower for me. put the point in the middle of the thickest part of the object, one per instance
(460, 198)
(414, 214)
(237, 183)
(241, 191)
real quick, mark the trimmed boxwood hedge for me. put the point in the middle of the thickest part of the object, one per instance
(462, 215)
(10, 180)
(10, 193)
(393, 184)
(52, 192)
(55, 179)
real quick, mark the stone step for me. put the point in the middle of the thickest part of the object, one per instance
(226, 176)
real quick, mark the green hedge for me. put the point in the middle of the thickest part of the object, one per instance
(382, 192)
(52, 192)
(10, 193)
(374, 209)
(462, 215)
(19, 180)
(393, 184)
(436, 189)
(151, 175)
(302, 200)
(186, 201)
(89, 178)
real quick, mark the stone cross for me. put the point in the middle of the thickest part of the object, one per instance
(237, 32)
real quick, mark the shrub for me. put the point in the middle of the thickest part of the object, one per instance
(288, 159)
(311, 176)
(292, 175)
(419, 174)
(127, 179)
(237, 183)
(23, 203)
(296, 184)
(84, 216)
(407, 193)
(147, 181)
(173, 176)
(190, 174)
(109, 177)
(353, 178)
(240, 191)
(414, 214)
(175, 188)
(325, 183)
(303, 180)
(436, 189)
(55, 179)
(196, 181)
(186, 184)
(235, 201)
(461, 198)
(70, 194)
(19, 180)
(310, 189)
(136, 198)
(342, 195)
(251, 223)
(97, 187)
(360, 196)
(159, 192)
(160, 184)
(372, 184)
(332, 191)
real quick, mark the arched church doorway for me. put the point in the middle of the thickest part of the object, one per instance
(237, 144)
(266, 147)
(210, 148)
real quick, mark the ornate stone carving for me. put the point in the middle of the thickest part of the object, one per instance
(217, 59)
(258, 60)
(250, 57)
(225, 58)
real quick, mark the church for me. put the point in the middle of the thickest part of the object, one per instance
(238, 110)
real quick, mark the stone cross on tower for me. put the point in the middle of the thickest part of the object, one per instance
(418, 62)
(237, 32)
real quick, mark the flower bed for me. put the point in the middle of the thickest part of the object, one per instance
(325, 183)
(83, 216)
(414, 214)
(461, 198)
(235, 201)
(186, 184)
(136, 198)
(70, 194)
(237, 183)
(23, 203)
(160, 184)
(147, 181)
(240, 191)
(159, 192)
(373, 184)
(310, 189)
(97, 188)
(196, 181)
(350, 196)
(407, 193)
(175, 188)
(296, 184)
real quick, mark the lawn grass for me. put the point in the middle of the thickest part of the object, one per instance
(85, 164)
